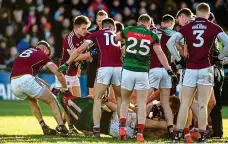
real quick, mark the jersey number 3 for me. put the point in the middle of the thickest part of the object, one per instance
(199, 37)
(27, 53)
(143, 44)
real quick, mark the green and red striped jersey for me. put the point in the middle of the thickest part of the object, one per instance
(139, 42)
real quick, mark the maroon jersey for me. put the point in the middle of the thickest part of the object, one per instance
(108, 49)
(200, 36)
(71, 41)
(30, 61)
(165, 34)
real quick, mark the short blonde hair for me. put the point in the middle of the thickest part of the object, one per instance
(203, 7)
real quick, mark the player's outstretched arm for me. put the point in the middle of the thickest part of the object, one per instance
(85, 56)
(59, 75)
(224, 39)
(171, 44)
(78, 51)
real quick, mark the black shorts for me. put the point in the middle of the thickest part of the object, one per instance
(91, 72)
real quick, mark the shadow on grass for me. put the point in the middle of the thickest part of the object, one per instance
(59, 139)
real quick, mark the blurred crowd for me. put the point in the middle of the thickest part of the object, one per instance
(25, 22)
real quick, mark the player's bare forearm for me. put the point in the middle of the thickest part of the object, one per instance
(85, 56)
(61, 79)
(59, 75)
(77, 52)
(123, 49)
(161, 56)
(155, 96)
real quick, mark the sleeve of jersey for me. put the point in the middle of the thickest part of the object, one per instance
(171, 44)
(224, 39)
(68, 42)
(91, 38)
(124, 32)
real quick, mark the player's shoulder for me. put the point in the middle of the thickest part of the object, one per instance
(215, 26)
(69, 36)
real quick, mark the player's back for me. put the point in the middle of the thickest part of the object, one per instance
(200, 36)
(164, 34)
(109, 53)
(139, 42)
(30, 61)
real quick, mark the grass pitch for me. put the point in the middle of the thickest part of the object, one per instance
(18, 125)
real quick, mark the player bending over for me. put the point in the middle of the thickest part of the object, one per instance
(26, 85)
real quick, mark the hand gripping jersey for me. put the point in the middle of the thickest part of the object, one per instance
(71, 41)
(31, 61)
(139, 42)
(80, 111)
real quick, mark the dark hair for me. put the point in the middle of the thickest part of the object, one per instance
(203, 7)
(145, 18)
(43, 42)
(174, 102)
(119, 26)
(102, 13)
(79, 20)
(211, 17)
(107, 22)
(185, 11)
(168, 18)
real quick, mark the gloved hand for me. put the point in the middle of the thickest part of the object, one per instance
(63, 67)
(217, 61)
(79, 64)
(181, 64)
(93, 53)
(173, 76)
(67, 92)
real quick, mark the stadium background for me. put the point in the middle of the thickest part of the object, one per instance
(25, 22)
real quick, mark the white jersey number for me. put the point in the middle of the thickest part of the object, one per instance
(109, 38)
(199, 37)
(27, 53)
(143, 44)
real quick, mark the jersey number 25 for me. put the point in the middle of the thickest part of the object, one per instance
(143, 44)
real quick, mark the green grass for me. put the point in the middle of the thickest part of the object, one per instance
(18, 125)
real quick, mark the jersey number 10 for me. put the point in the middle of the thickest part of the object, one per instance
(110, 38)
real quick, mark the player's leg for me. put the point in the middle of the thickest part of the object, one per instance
(49, 99)
(204, 88)
(154, 80)
(37, 113)
(204, 93)
(188, 90)
(103, 78)
(141, 87)
(116, 78)
(165, 87)
(127, 85)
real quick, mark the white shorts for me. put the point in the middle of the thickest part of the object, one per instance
(134, 80)
(159, 78)
(70, 80)
(27, 85)
(109, 75)
(130, 125)
(203, 76)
